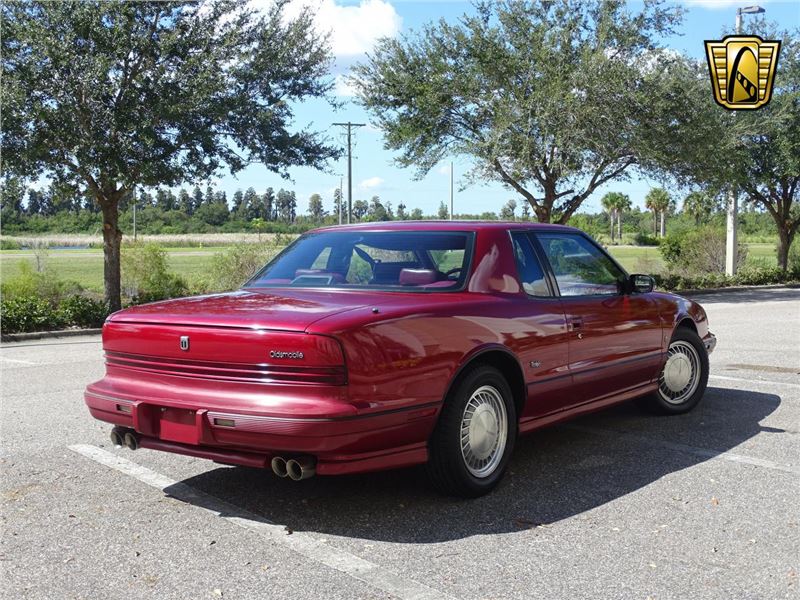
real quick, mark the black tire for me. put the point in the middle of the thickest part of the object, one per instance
(447, 468)
(657, 402)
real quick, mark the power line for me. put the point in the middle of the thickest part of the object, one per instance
(350, 127)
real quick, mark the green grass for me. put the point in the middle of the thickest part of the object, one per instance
(85, 266)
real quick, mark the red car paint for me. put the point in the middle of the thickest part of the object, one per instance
(376, 365)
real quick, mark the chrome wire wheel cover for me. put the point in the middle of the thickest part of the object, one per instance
(681, 373)
(484, 431)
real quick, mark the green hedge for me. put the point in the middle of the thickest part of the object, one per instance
(22, 314)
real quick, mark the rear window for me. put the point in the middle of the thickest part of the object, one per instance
(416, 261)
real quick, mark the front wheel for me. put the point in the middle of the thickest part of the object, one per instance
(683, 378)
(475, 435)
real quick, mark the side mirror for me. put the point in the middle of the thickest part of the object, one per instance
(641, 284)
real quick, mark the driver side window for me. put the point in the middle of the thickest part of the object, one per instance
(580, 268)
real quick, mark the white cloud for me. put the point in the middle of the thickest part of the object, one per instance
(342, 88)
(370, 183)
(354, 29)
(444, 170)
(719, 4)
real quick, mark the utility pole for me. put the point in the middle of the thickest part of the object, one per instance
(133, 193)
(341, 199)
(451, 190)
(350, 127)
(732, 212)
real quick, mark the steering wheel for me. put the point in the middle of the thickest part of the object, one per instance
(453, 272)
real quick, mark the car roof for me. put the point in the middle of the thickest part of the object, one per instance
(445, 226)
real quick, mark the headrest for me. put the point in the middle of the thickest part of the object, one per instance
(417, 276)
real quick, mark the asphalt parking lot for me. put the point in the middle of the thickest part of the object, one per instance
(615, 505)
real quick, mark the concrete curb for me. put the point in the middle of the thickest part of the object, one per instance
(46, 335)
(736, 288)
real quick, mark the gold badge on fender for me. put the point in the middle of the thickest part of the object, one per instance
(742, 70)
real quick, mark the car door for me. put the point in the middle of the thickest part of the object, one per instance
(615, 338)
(541, 343)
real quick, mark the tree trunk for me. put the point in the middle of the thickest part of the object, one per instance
(663, 223)
(655, 223)
(785, 237)
(611, 218)
(112, 239)
(619, 225)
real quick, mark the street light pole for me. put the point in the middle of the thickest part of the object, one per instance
(732, 213)
(349, 126)
(451, 190)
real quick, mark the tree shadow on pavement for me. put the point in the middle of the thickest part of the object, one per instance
(555, 474)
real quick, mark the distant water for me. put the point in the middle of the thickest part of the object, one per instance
(84, 247)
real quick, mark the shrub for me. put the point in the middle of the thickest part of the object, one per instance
(82, 311)
(699, 251)
(231, 268)
(146, 276)
(7, 244)
(45, 285)
(645, 239)
(29, 313)
(794, 258)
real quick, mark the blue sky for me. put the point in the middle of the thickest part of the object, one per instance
(354, 27)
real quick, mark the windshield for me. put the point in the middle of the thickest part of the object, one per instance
(415, 261)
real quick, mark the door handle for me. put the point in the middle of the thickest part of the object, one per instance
(577, 323)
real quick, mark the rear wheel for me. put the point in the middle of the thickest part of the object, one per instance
(683, 378)
(475, 435)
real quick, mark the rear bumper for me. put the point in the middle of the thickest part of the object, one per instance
(710, 342)
(342, 444)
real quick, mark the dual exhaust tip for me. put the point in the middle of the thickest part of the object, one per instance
(123, 437)
(300, 467)
(296, 469)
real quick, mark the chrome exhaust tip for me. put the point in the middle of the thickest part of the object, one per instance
(279, 466)
(116, 437)
(131, 441)
(301, 467)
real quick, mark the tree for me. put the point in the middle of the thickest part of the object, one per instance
(659, 201)
(615, 204)
(416, 214)
(286, 203)
(165, 200)
(552, 99)
(754, 152)
(377, 211)
(111, 95)
(699, 205)
(401, 212)
(337, 204)
(443, 212)
(35, 201)
(269, 204)
(185, 202)
(249, 208)
(508, 209)
(238, 199)
(315, 209)
(360, 209)
(526, 212)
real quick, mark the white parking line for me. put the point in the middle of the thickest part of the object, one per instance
(302, 543)
(3, 359)
(702, 452)
(757, 381)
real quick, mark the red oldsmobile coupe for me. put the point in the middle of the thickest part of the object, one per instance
(385, 345)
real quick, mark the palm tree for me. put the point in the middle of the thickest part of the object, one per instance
(608, 205)
(616, 203)
(659, 201)
(699, 205)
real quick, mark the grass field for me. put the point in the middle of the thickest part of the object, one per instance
(85, 266)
